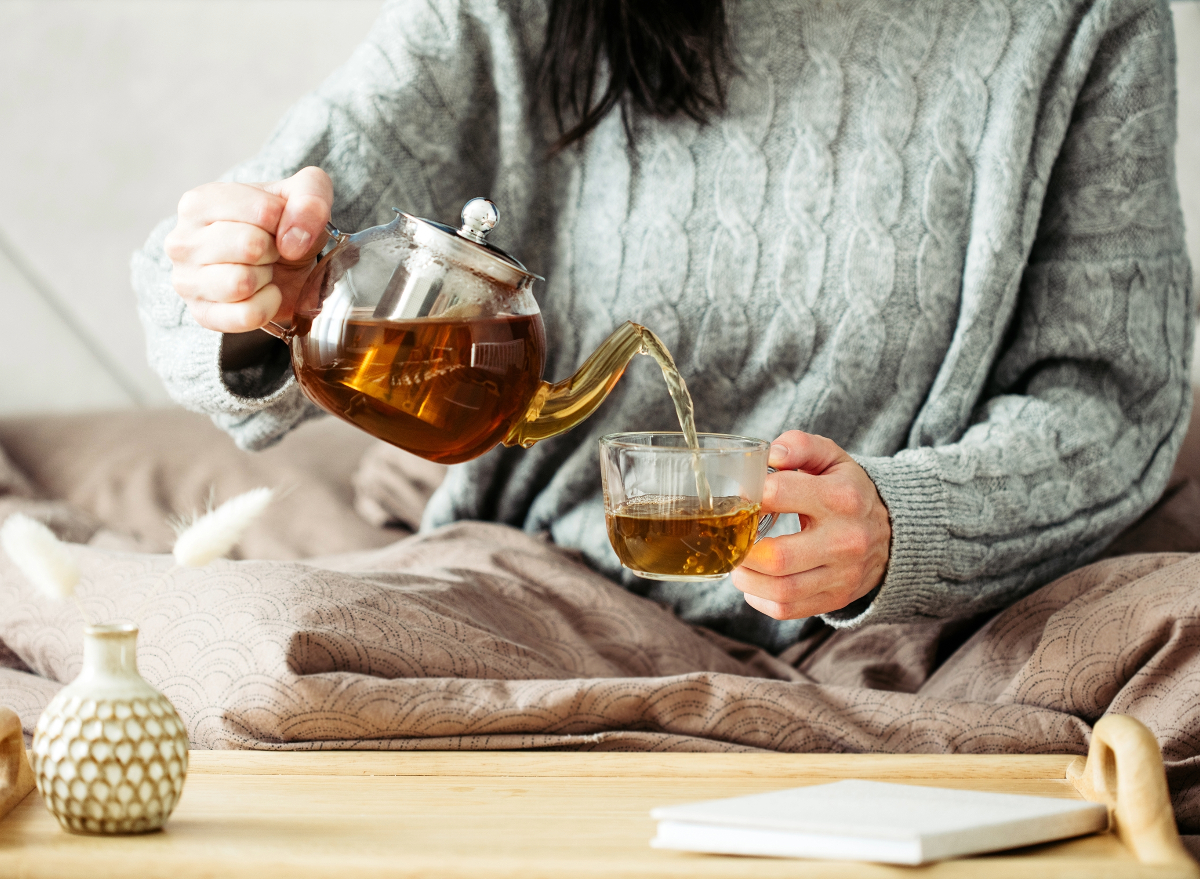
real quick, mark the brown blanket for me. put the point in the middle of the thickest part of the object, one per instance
(131, 473)
(479, 636)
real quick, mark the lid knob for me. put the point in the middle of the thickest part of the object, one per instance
(479, 216)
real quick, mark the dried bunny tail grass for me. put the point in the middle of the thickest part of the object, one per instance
(40, 556)
(218, 531)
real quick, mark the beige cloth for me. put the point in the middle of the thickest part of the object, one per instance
(392, 486)
(479, 636)
(124, 476)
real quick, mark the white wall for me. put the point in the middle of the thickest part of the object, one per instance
(110, 109)
(1187, 151)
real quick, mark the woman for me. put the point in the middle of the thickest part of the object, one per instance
(934, 247)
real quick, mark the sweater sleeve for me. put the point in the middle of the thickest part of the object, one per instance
(1088, 401)
(409, 121)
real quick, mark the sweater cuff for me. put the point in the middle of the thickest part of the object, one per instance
(255, 417)
(256, 406)
(918, 506)
(261, 369)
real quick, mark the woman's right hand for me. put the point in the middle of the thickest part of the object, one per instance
(241, 251)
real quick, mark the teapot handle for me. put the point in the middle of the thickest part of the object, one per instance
(278, 330)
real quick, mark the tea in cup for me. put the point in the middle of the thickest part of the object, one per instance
(678, 513)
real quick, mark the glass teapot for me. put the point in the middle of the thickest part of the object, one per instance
(428, 337)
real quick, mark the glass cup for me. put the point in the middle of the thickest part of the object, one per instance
(659, 521)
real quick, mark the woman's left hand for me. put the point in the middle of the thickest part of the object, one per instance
(842, 550)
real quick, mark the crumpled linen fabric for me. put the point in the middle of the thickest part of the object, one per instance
(479, 636)
(132, 474)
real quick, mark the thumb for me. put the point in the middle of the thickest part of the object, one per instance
(308, 197)
(796, 450)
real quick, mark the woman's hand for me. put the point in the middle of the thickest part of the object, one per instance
(841, 552)
(241, 251)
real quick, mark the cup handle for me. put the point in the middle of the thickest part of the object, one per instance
(767, 522)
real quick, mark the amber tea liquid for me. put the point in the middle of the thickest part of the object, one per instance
(447, 390)
(683, 536)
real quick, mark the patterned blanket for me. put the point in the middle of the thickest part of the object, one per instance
(479, 636)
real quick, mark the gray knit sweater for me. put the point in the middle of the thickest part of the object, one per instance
(944, 233)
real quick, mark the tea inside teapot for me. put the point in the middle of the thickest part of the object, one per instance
(445, 389)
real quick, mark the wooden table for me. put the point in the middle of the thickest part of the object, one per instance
(514, 814)
(499, 814)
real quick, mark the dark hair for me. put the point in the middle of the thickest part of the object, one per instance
(666, 55)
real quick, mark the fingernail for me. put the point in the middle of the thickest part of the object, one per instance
(296, 240)
(778, 451)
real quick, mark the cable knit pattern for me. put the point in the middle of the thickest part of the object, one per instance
(944, 233)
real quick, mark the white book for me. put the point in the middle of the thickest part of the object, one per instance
(873, 821)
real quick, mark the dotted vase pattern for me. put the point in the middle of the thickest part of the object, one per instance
(110, 766)
(107, 763)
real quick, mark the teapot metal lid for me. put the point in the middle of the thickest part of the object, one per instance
(468, 244)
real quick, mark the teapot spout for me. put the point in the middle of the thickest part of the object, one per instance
(558, 407)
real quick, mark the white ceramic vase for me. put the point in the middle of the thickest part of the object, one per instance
(110, 752)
